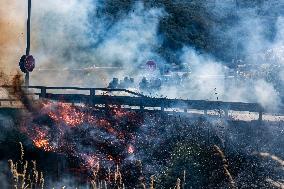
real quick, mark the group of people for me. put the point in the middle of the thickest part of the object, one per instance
(144, 84)
(122, 84)
(147, 84)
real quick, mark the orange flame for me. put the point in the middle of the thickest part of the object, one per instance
(130, 149)
(41, 141)
(70, 115)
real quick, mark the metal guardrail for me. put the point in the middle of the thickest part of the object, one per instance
(142, 101)
(92, 90)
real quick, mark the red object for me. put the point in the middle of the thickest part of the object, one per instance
(130, 149)
(27, 63)
(151, 65)
(30, 63)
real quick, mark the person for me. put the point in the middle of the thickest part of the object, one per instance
(156, 84)
(143, 84)
(113, 84)
(126, 82)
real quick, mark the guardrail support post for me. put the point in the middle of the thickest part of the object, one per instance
(92, 97)
(260, 116)
(205, 112)
(92, 92)
(226, 113)
(42, 92)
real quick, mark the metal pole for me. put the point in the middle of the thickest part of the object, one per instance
(27, 76)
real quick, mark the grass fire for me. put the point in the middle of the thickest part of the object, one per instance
(141, 94)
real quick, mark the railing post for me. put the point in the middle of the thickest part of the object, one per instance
(226, 113)
(92, 92)
(260, 116)
(205, 112)
(260, 112)
(42, 92)
(92, 97)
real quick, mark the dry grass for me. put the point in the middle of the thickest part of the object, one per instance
(103, 184)
(228, 175)
(25, 174)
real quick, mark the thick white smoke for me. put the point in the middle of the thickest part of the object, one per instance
(131, 41)
(59, 30)
(209, 80)
(208, 77)
(68, 38)
(69, 35)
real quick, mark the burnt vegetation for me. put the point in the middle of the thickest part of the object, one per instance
(169, 150)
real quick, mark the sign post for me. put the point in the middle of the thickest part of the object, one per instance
(27, 76)
(27, 61)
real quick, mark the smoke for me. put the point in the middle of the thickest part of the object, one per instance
(71, 36)
(12, 38)
(60, 41)
(209, 80)
(207, 75)
(256, 36)
(59, 31)
(131, 41)
(67, 37)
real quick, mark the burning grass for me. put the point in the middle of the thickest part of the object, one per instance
(80, 133)
(104, 148)
(26, 176)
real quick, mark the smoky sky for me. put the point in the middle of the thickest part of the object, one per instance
(219, 28)
(214, 27)
(208, 36)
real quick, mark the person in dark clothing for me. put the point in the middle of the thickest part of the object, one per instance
(113, 84)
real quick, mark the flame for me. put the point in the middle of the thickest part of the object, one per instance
(119, 113)
(68, 114)
(41, 141)
(130, 149)
(93, 137)
(91, 161)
